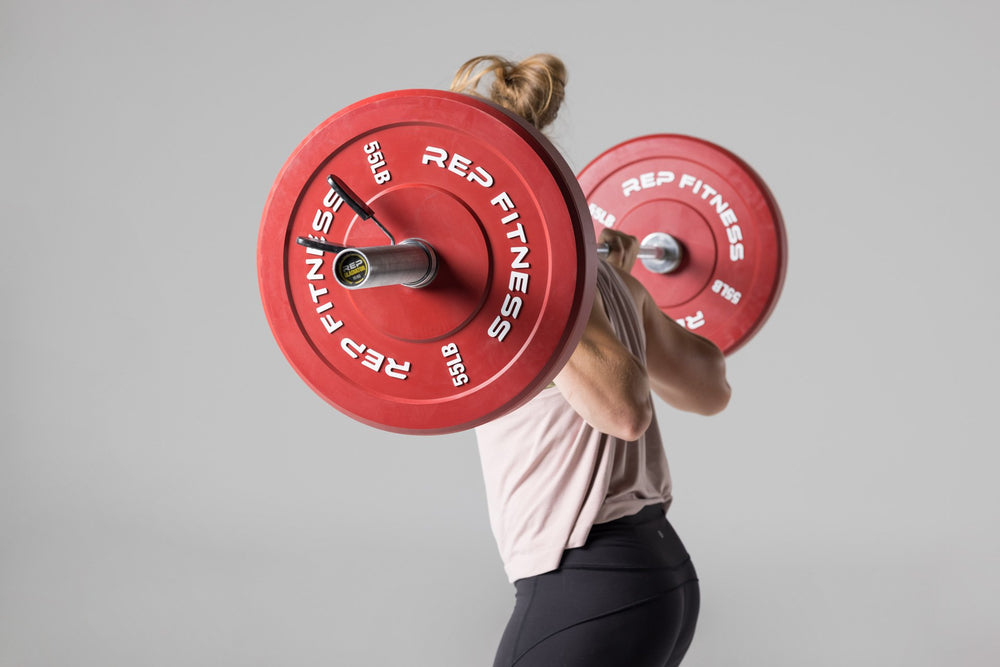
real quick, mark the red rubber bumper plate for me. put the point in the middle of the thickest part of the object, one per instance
(723, 215)
(516, 262)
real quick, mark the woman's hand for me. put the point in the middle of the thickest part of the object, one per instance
(623, 249)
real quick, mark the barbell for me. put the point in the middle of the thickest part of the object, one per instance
(413, 263)
(484, 297)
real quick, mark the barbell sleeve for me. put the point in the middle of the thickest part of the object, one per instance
(411, 263)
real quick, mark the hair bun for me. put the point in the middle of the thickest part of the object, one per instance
(533, 88)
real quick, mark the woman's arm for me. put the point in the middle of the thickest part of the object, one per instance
(685, 370)
(605, 383)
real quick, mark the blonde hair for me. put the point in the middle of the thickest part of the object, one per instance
(533, 88)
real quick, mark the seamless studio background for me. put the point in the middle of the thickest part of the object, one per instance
(172, 494)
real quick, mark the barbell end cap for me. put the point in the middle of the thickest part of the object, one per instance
(411, 263)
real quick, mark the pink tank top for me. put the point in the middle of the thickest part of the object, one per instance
(550, 476)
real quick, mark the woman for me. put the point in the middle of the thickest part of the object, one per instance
(577, 481)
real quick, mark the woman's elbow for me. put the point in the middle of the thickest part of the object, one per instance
(711, 393)
(716, 401)
(717, 392)
(632, 421)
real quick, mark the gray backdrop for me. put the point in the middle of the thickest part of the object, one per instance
(172, 494)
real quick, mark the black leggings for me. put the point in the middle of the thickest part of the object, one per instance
(629, 596)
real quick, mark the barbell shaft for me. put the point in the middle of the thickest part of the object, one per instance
(413, 262)
(658, 252)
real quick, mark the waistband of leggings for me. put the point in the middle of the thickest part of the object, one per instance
(641, 540)
(647, 514)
